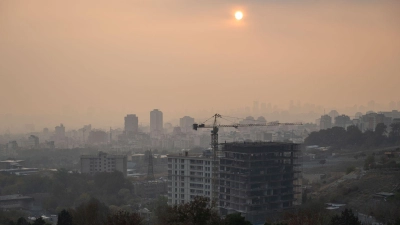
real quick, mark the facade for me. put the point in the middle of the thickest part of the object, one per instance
(131, 124)
(189, 175)
(17, 201)
(60, 132)
(186, 124)
(33, 141)
(370, 120)
(156, 122)
(103, 162)
(342, 121)
(325, 122)
(258, 179)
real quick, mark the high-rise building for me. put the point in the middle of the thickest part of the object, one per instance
(342, 121)
(131, 124)
(60, 132)
(370, 120)
(325, 122)
(257, 179)
(33, 141)
(189, 175)
(103, 162)
(156, 122)
(186, 124)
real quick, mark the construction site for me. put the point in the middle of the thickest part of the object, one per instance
(259, 178)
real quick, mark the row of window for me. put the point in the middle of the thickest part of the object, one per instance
(192, 161)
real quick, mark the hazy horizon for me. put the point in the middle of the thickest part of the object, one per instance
(96, 61)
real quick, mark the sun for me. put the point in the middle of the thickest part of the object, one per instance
(238, 15)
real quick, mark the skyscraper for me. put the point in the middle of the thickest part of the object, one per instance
(186, 123)
(60, 132)
(156, 121)
(131, 124)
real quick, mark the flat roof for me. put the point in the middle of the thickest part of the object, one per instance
(14, 197)
(11, 161)
(189, 156)
(259, 147)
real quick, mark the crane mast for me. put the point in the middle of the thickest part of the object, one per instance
(214, 146)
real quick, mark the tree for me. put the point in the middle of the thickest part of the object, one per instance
(322, 161)
(369, 162)
(64, 218)
(354, 136)
(91, 213)
(159, 208)
(39, 221)
(22, 221)
(394, 134)
(196, 212)
(124, 218)
(236, 219)
(347, 218)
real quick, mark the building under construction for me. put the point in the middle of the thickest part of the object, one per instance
(258, 178)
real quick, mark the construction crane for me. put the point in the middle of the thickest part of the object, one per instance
(214, 146)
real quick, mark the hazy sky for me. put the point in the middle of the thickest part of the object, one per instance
(60, 60)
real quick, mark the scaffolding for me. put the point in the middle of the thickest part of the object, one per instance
(258, 178)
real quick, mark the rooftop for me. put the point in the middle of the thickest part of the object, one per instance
(257, 147)
(189, 155)
(14, 197)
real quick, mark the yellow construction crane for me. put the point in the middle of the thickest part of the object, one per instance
(214, 146)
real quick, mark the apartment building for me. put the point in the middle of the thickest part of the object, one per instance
(103, 162)
(189, 175)
(259, 179)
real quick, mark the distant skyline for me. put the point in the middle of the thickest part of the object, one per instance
(95, 61)
(91, 116)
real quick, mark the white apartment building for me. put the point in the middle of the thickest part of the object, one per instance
(189, 175)
(103, 162)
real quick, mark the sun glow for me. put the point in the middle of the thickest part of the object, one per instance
(238, 15)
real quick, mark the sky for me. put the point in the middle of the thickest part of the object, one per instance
(94, 61)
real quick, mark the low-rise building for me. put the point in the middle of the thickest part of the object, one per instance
(150, 188)
(15, 202)
(103, 162)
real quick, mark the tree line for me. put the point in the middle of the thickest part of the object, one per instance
(196, 212)
(354, 138)
(67, 190)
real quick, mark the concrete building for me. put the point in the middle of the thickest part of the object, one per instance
(325, 122)
(189, 175)
(258, 179)
(18, 202)
(103, 162)
(342, 121)
(131, 124)
(156, 122)
(60, 132)
(186, 124)
(33, 141)
(370, 120)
